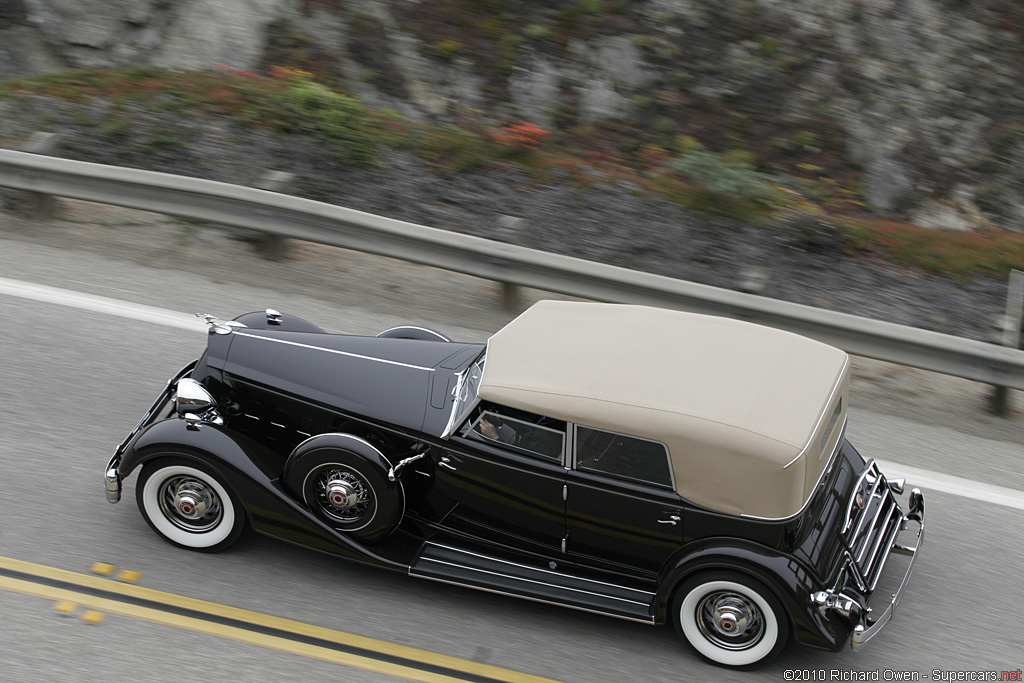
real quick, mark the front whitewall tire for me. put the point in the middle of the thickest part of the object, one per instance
(156, 502)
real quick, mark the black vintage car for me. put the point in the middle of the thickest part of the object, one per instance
(651, 465)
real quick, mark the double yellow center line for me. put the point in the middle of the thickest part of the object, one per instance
(249, 627)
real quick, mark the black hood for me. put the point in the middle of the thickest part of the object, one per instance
(391, 380)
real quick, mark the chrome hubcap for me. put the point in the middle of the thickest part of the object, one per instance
(342, 494)
(730, 620)
(190, 504)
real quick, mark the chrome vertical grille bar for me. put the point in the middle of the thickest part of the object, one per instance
(867, 502)
(884, 531)
(886, 549)
(885, 503)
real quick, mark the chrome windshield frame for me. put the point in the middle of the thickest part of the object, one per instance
(460, 408)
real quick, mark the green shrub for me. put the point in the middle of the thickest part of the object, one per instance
(726, 185)
(663, 125)
(769, 46)
(685, 144)
(339, 120)
(539, 32)
(455, 148)
(448, 48)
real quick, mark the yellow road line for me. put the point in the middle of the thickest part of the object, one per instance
(25, 584)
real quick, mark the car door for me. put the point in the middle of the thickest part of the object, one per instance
(622, 511)
(510, 491)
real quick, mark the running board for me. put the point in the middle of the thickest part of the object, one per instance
(464, 568)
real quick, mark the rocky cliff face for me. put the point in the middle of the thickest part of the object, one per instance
(915, 107)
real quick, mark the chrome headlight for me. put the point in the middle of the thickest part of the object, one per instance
(192, 397)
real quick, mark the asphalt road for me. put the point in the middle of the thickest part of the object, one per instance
(74, 381)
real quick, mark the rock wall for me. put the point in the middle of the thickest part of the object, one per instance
(914, 106)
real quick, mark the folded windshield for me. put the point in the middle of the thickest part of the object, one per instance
(465, 393)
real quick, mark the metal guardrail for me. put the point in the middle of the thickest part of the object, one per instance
(312, 221)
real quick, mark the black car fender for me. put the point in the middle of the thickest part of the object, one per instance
(253, 472)
(225, 451)
(790, 580)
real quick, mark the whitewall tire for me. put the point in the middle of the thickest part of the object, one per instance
(188, 506)
(730, 619)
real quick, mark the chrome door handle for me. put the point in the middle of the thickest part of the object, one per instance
(446, 462)
(673, 520)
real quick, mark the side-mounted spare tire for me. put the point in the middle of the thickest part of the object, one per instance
(343, 480)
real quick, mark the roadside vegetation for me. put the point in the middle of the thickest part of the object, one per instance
(734, 184)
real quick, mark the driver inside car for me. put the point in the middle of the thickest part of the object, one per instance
(500, 432)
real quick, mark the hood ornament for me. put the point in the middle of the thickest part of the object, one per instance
(226, 327)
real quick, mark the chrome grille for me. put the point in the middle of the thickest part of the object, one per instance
(873, 519)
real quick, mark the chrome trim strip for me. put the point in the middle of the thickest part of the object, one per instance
(537, 569)
(538, 583)
(839, 442)
(649, 621)
(839, 382)
(340, 353)
(569, 459)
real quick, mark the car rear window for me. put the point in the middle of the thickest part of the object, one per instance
(623, 456)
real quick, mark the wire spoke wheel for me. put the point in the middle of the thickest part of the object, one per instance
(342, 494)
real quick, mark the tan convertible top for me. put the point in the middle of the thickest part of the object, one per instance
(744, 409)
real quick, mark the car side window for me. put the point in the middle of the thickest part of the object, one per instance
(522, 430)
(623, 456)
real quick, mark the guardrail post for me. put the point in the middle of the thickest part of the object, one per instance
(274, 247)
(509, 226)
(1010, 328)
(510, 298)
(754, 279)
(40, 206)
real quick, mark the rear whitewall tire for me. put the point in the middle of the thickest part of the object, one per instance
(694, 615)
(166, 493)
